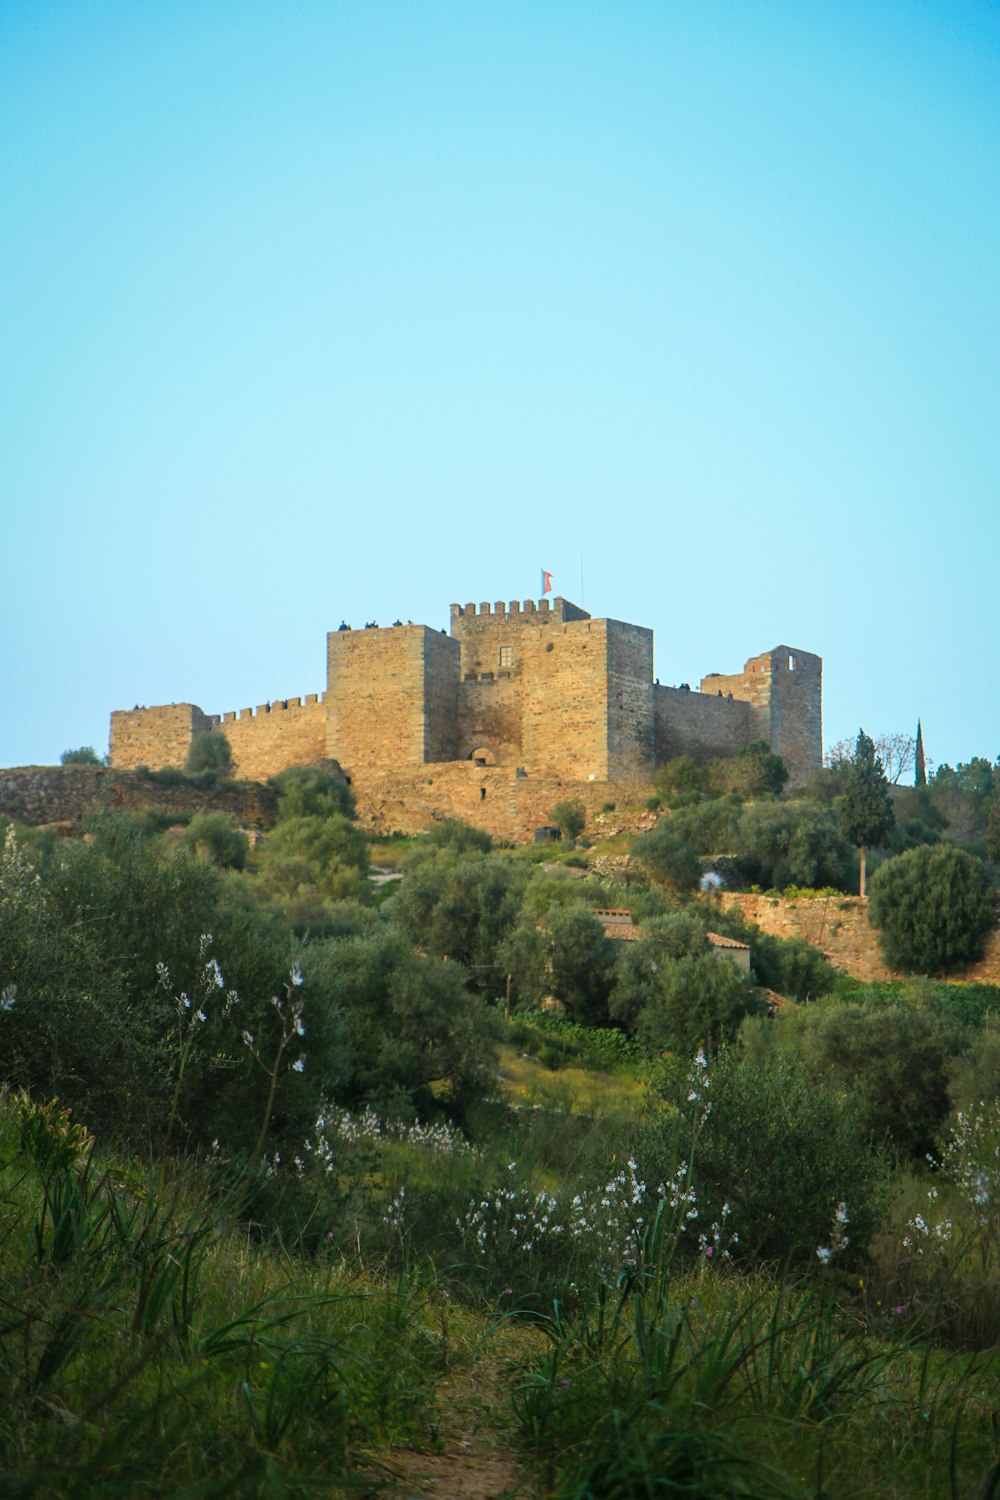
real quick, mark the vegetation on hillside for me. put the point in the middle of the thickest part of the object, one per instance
(287, 1157)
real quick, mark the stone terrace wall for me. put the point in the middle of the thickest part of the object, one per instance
(67, 794)
(838, 926)
(697, 724)
(155, 737)
(289, 732)
(512, 808)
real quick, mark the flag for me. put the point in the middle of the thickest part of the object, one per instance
(546, 582)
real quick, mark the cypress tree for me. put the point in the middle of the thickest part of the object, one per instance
(920, 772)
(866, 816)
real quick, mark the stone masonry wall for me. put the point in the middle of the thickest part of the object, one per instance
(631, 744)
(289, 732)
(838, 926)
(391, 696)
(489, 716)
(67, 794)
(697, 724)
(797, 711)
(155, 737)
(564, 701)
(511, 809)
(440, 704)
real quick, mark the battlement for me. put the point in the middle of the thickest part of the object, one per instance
(517, 613)
(534, 685)
(276, 706)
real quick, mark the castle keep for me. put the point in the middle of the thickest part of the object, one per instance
(530, 690)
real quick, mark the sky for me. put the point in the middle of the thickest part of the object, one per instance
(350, 309)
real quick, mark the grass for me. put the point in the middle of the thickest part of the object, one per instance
(155, 1343)
(570, 1090)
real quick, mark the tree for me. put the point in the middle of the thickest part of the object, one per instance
(218, 837)
(85, 756)
(312, 792)
(668, 857)
(866, 816)
(571, 817)
(752, 772)
(210, 751)
(700, 1001)
(993, 828)
(931, 907)
(919, 764)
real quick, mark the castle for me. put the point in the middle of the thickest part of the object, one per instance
(516, 692)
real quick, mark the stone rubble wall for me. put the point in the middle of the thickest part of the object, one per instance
(68, 794)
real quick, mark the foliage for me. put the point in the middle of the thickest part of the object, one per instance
(210, 751)
(754, 771)
(410, 1037)
(891, 1057)
(571, 816)
(701, 1000)
(779, 844)
(323, 857)
(865, 812)
(457, 902)
(993, 828)
(459, 837)
(565, 955)
(312, 792)
(791, 966)
(171, 1349)
(85, 756)
(781, 1150)
(668, 858)
(679, 781)
(217, 837)
(931, 907)
(639, 971)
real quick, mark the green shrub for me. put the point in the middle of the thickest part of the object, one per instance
(570, 816)
(217, 837)
(210, 751)
(931, 906)
(312, 792)
(782, 1151)
(85, 756)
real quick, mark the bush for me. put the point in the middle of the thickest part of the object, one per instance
(782, 1152)
(312, 792)
(570, 816)
(85, 756)
(931, 906)
(701, 1000)
(217, 837)
(209, 752)
(668, 858)
(753, 771)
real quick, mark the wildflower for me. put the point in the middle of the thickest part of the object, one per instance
(295, 975)
(299, 1065)
(248, 1039)
(824, 1254)
(8, 996)
(214, 973)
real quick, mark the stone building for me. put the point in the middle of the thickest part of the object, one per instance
(537, 691)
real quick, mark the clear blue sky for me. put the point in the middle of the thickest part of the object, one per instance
(321, 310)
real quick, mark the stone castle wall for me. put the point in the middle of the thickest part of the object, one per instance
(542, 688)
(700, 725)
(155, 737)
(507, 805)
(392, 696)
(266, 741)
